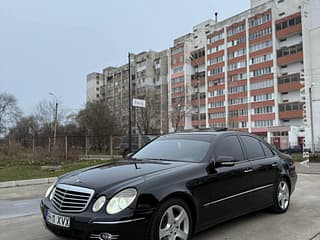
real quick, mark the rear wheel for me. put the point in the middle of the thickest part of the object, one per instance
(172, 221)
(281, 197)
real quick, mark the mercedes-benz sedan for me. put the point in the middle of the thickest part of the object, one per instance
(175, 186)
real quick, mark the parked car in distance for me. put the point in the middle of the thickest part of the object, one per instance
(124, 145)
(175, 186)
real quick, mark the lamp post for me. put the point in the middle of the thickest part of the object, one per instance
(196, 74)
(129, 105)
(55, 119)
(311, 118)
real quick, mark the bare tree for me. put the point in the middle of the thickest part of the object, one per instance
(97, 120)
(26, 128)
(177, 114)
(45, 116)
(148, 118)
(9, 111)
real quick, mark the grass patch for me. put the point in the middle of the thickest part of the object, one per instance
(297, 157)
(22, 170)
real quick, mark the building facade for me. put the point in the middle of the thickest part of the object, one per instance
(94, 82)
(252, 72)
(149, 74)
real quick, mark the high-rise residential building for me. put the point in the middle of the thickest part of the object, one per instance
(149, 74)
(94, 82)
(257, 71)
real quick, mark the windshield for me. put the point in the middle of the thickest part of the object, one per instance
(190, 150)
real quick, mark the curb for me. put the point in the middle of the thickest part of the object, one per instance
(29, 182)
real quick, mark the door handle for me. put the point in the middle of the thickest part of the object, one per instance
(274, 165)
(248, 170)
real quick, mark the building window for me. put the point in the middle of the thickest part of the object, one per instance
(290, 50)
(237, 101)
(261, 59)
(216, 82)
(260, 33)
(291, 22)
(262, 84)
(237, 89)
(177, 69)
(176, 50)
(259, 46)
(216, 38)
(260, 20)
(216, 104)
(264, 123)
(215, 71)
(289, 79)
(237, 53)
(262, 97)
(177, 80)
(236, 30)
(237, 77)
(261, 71)
(263, 110)
(237, 65)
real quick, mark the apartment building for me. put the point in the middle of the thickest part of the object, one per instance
(94, 82)
(149, 74)
(257, 71)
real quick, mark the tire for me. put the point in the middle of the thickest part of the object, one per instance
(160, 227)
(281, 196)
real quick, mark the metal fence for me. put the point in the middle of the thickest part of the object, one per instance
(61, 148)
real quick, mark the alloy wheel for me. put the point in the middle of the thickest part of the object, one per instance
(283, 195)
(174, 224)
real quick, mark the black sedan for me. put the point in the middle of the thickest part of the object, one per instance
(175, 186)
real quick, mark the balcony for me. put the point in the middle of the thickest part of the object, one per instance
(290, 54)
(288, 26)
(291, 110)
(289, 83)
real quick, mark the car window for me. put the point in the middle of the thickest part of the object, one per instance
(229, 146)
(267, 150)
(252, 147)
(174, 149)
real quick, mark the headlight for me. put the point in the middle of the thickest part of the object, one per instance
(121, 201)
(50, 189)
(99, 204)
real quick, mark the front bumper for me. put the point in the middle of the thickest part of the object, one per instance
(87, 226)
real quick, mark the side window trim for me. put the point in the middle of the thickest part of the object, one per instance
(265, 154)
(215, 154)
(244, 149)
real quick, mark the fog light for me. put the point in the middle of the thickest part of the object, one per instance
(108, 236)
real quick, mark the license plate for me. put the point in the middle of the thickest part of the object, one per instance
(58, 220)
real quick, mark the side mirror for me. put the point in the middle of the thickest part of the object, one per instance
(224, 161)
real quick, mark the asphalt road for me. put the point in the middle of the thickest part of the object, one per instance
(301, 222)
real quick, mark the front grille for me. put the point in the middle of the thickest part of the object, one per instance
(71, 199)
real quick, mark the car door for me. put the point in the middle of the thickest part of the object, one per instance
(264, 166)
(223, 192)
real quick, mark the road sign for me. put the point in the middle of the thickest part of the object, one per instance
(138, 103)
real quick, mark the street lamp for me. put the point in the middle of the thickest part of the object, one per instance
(55, 119)
(129, 105)
(311, 120)
(196, 74)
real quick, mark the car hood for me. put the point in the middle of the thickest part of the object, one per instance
(126, 173)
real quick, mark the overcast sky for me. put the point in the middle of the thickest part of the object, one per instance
(50, 46)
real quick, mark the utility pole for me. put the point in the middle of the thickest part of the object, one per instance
(311, 118)
(129, 100)
(55, 119)
(196, 76)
